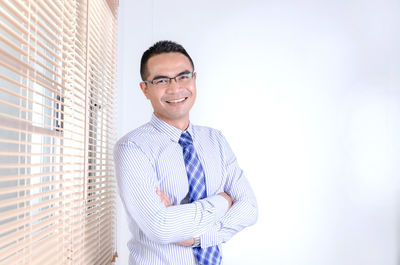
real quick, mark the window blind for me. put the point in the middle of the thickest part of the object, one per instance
(57, 129)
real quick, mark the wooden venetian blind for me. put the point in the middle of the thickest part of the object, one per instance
(57, 119)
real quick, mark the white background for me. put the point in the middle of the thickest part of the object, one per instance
(308, 95)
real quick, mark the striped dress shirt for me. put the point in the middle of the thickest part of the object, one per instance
(150, 157)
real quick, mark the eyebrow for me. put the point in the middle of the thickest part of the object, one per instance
(164, 76)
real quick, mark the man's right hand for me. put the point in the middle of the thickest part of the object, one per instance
(227, 197)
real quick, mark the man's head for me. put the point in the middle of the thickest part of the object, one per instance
(169, 82)
(164, 46)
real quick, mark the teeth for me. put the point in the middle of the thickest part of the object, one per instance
(176, 100)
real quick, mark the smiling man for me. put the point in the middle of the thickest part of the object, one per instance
(180, 184)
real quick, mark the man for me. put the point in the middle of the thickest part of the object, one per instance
(180, 184)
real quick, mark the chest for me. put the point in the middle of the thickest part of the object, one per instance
(172, 176)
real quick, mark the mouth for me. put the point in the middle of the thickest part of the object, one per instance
(176, 101)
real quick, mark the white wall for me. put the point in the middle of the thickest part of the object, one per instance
(308, 95)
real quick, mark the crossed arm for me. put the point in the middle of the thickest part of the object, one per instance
(188, 242)
(215, 219)
(136, 180)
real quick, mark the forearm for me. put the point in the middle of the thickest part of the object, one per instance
(180, 222)
(241, 215)
(191, 241)
(175, 223)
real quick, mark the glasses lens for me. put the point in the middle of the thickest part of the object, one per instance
(161, 82)
(184, 77)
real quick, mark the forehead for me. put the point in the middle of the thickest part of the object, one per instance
(168, 64)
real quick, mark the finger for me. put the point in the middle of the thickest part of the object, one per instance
(166, 200)
(163, 197)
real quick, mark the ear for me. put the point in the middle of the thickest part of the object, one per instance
(145, 89)
(194, 75)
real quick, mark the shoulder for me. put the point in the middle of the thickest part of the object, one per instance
(209, 139)
(211, 134)
(134, 146)
(138, 138)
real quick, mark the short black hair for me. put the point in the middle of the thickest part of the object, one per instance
(164, 46)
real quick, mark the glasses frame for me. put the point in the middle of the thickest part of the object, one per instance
(190, 74)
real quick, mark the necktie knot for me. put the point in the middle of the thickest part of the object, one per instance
(185, 140)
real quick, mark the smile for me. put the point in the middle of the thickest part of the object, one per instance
(176, 100)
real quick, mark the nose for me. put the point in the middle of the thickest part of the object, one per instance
(173, 85)
(173, 78)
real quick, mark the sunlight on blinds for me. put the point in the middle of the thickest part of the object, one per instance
(57, 129)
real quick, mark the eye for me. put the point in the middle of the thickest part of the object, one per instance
(161, 81)
(183, 77)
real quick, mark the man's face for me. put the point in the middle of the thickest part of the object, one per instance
(173, 102)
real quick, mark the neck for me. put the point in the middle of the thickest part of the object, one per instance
(181, 124)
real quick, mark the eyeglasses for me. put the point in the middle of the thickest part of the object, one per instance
(182, 78)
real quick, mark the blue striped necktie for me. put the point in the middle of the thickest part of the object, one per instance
(197, 191)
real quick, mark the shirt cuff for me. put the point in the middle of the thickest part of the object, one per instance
(210, 238)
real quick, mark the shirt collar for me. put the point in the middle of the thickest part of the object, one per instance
(172, 132)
